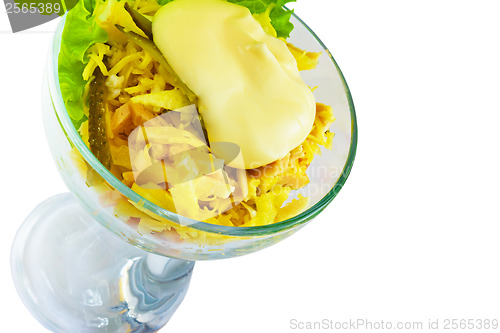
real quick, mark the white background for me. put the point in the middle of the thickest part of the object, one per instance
(413, 235)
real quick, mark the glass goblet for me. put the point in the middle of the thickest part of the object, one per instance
(82, 262)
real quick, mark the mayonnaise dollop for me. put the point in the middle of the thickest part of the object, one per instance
(249, 89)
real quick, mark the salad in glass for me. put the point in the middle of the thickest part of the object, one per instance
(198, 107)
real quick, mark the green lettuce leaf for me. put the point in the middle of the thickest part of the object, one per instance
(280, 17)
(80, 32)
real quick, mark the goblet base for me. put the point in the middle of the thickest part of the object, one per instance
(74, 275)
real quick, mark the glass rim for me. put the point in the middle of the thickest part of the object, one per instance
(75, 140)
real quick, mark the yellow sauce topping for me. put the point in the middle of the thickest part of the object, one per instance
(249, 89)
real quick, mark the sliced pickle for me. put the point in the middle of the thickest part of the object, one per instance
(141, 21)
(98, 120)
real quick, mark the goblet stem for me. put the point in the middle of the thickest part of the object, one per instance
(74, 275)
